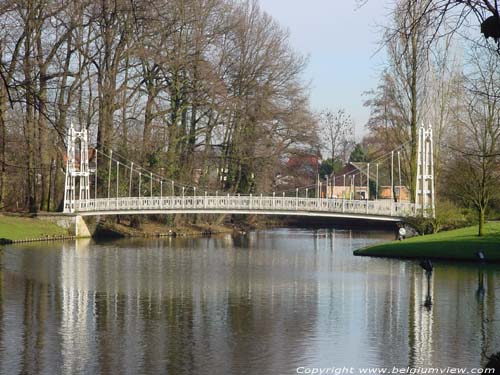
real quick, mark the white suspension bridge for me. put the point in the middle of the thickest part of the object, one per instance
(132, 190)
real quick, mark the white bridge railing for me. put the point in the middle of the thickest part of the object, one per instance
(245, 203)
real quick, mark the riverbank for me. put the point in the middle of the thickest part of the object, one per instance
(18, 228)
(459, 244)
(156, 229)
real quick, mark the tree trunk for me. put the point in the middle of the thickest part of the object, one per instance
(148, 118)
(414, 116)
(42, 136)
(481, 212)
(51, 184)
(3, 107)
(172, 156)
(30, 118)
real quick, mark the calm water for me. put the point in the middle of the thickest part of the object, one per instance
(264, 303)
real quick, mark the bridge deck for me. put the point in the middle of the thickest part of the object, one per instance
(317, 207)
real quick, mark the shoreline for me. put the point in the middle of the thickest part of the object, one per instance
(7, 241)
(434, 258)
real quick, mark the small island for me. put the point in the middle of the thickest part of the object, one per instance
(459, 244)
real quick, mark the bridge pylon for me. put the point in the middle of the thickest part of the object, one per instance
(76, 168)
(424, 189)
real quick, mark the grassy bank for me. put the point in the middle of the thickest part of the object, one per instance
(459, 244)
(21, 228)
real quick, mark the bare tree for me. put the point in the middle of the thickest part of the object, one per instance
(473, 175)
(398, 103)
(445, 17)
(337, 133)
(10, 50)
(444, 97)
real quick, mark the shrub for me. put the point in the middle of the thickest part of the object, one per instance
(448, 216)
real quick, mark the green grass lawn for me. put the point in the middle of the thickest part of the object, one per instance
(21, 228)
(459, 244)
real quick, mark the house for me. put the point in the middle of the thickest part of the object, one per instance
(352, 183)
(346, 184)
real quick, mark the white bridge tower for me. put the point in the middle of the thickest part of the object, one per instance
(77, 170)
(424, 189)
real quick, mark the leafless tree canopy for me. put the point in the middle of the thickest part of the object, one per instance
(444, 17)
(337, 129)
(208, 92)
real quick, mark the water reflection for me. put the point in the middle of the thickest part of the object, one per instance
(265, 302)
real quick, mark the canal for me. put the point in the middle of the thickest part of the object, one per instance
(267, 302)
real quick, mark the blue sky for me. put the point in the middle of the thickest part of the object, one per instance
(341, 41)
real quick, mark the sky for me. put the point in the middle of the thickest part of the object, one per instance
(341, 41)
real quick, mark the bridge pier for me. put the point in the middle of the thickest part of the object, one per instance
(81, 228)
